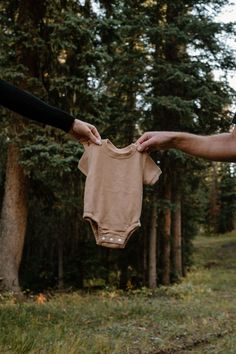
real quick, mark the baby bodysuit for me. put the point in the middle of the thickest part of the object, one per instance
(114, 190)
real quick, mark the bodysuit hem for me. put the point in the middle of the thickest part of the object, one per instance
(106, 239)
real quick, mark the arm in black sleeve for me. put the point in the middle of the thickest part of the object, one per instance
(31, 107)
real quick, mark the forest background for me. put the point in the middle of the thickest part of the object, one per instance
(127, 67)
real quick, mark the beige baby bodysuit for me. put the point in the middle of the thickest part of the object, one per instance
(114, 189)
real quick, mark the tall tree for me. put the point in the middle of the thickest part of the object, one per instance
(179, 75)
(14, 209)
(176, 229)
(166, 234)
(129, 67)
(214, 206)
(152, 269)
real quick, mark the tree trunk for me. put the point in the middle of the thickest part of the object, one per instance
(214, 201)
(177, 236)
(145, 257)
(13, 221)
(123, 268)
(14, 209)
(152, 274)
(166, 235)
(60, 263)
(234, 221)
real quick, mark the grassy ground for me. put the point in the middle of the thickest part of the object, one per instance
(196, 316)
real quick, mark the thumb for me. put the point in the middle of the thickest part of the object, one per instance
(94, 139)
(144, 146)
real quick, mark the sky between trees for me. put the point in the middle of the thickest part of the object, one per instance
(228, 14)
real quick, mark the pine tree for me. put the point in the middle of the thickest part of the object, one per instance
(182, 93)
(132, 66)
(14, 208)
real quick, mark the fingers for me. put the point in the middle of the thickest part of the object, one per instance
(94, 136)
(85, 132)
(143, 138)
(144, 146)
(144, 142)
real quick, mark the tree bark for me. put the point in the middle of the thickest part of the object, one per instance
(123, 267)
(13, 221)
(152, 274)
(177, 236)
(166, 235)
(214, 200)
(145, 257)
(60, 263)
(14, 209)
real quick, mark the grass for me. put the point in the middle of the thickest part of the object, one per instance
(196, 316)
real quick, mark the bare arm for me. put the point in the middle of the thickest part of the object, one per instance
(219, 147)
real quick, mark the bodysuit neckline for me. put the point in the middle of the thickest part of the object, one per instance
(119, 153)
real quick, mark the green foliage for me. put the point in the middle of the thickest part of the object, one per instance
(130, 67)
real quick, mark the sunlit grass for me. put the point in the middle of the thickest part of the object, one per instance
(197, 315)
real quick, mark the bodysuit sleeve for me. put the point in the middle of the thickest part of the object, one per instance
(84, 161)
(151, 171)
